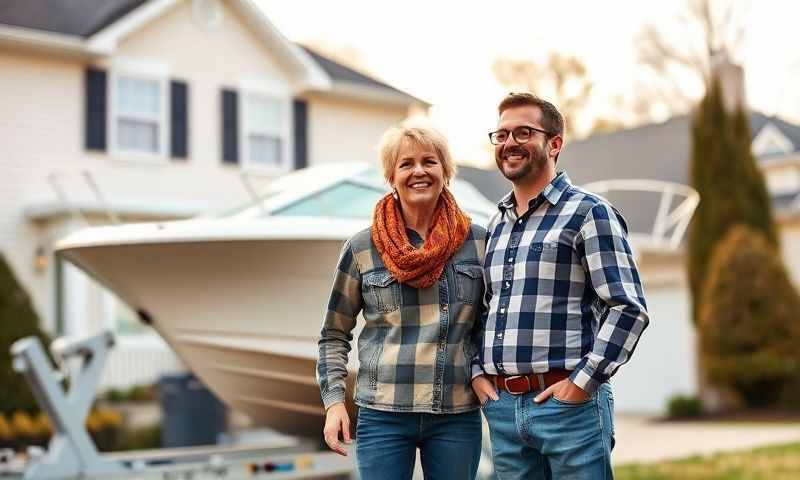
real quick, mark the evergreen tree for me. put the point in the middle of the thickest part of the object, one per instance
(17, 320)
(750, 330)
(731, 186)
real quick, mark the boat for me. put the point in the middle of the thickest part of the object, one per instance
(240, 295)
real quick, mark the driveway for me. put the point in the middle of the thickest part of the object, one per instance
(641, 439)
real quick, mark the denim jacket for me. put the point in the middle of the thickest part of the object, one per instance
(416, 344)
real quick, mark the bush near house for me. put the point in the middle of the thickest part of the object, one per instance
(136, 393)
(731, 186)
(17, 320)
(683, 407)
(750, 328)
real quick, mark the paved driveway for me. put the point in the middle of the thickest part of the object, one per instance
(640, 439)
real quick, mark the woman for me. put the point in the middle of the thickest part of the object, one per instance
(415, 276)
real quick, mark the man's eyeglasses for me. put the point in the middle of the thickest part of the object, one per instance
(521, 135)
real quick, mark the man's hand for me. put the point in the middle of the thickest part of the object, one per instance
(484, 389)
(563, 390)
(337, 421)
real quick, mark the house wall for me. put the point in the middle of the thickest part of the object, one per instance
(42, 132)
(347, 130)
(665, 360)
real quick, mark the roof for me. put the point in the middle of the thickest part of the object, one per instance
(656, 151)
(491, 183)
(342, 73)
(81, 18)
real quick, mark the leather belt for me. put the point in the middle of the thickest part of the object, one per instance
(519, 384)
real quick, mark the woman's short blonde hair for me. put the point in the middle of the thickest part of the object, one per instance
(394, 138)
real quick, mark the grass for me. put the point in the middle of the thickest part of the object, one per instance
(774, 463)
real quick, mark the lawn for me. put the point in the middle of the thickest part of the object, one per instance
(773, 463)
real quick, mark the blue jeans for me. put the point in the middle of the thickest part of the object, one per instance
(552, 440)
(386, 444)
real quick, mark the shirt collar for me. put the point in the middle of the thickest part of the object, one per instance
(552, 192)
(414, 238)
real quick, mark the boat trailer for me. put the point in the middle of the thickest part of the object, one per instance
(71, 453)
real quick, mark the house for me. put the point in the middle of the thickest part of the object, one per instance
(132, 110)
(664, 363)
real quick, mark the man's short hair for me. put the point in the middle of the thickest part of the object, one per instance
(394, 138)
(552, 120)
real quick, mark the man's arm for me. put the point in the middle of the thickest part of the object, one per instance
(606, 256)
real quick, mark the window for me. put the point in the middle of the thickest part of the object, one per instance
(265, 132)
(139, 114)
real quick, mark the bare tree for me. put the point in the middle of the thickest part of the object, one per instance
(562, 79)
(678, 52)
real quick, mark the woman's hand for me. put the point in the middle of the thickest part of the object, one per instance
(336, 421)
(484, 389)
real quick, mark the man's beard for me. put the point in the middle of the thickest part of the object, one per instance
(533, 162)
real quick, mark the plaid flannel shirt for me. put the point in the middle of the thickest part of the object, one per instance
(562, 288)
(415, 348)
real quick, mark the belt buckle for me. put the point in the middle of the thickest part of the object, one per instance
(517, 377)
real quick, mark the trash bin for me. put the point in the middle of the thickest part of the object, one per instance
(191, 414)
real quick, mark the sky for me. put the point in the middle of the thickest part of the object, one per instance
(442, 51)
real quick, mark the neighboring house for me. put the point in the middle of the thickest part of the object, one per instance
(164, 106)
(665, 360)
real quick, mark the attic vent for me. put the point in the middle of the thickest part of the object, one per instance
(207, 13)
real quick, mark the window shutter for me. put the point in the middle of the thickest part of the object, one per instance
(95, 115)
(230, 126)
(300, 116)
(179, 119)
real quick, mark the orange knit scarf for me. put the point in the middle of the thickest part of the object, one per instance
(421, 267)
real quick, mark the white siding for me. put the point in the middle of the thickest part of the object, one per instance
(42, 131)
(345, 131)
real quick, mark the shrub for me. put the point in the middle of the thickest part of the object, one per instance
(684, 406)
(749, 324)
(142, 438)
(17, 320)
(6, 433)
(104, 426)
(731, 186)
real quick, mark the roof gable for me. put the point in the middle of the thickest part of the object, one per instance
(771, 141)
(81, 18)
(95, 28)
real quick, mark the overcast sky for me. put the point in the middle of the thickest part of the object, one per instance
(443, 51)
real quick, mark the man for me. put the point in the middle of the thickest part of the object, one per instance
(565, 308)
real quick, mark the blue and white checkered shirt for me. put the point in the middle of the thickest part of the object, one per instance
(562, 288)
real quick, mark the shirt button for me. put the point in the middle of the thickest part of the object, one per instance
(519, 221)
(510, 259)
(499, 335)
(444, 307)
(502, 310)
(508, 284)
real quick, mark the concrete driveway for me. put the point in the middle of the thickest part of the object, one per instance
(642, 439)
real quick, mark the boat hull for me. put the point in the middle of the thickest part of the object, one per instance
(244, 315)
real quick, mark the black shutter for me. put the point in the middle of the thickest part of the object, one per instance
(230, 126)
(179, 119)
(95, 120)
(300, 116)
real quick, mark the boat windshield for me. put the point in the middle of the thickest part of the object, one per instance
(352, 194)
(346, 199)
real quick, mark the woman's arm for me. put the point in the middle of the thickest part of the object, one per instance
(344, 305)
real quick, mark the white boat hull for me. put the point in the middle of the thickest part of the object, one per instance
(243, 314)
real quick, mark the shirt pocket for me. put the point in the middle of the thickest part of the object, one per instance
(469, 280)
(383, 291)
(541, 265)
